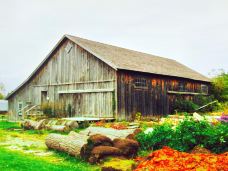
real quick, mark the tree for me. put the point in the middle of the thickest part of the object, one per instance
(2, 88)
(220, 87)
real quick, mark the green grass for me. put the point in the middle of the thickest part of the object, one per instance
(16, 161)
(4, 125)
(21, 161)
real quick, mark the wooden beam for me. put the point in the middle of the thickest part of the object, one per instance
(85, 91)
(81, 82)
(185, 93)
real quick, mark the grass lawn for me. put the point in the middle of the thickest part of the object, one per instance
(12, 160)
(4, 125)
(17, 152)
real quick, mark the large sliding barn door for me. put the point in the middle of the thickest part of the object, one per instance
(92, 104)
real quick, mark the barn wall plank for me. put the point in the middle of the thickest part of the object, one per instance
(153, 99)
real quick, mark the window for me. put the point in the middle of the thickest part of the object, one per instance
(181, 86)
(140, 83)
(20, 105)
(204, 88)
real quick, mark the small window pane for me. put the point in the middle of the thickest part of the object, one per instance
(140, 83)
(181, 86)
(204, 88)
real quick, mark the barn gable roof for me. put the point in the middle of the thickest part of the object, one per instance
(121, 58)
(126, 59)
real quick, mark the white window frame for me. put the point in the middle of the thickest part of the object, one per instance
(19, 107)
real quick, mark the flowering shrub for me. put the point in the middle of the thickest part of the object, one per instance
(224, 118)
(172, 160)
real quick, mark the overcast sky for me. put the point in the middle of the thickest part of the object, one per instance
(193, 32)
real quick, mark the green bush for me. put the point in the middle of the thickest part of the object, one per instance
(202, 100)
(182, 105)
(187, 135)
(161, 136)
(51, 109)
(47, 109)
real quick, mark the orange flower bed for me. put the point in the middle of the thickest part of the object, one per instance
(118, 126)
(168, 159)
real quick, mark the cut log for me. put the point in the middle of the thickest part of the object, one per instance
(29, 124)
(101, 152)
(65, 143)
(93, 141)
(72, 124)
(59, 128)
(134, 134)
(128, 147)
(98, 139)
(109, 132)
(41, 124)
(77, 135)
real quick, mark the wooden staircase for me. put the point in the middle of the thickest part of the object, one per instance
(31, 110)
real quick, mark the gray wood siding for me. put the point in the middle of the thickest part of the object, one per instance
(76, 70)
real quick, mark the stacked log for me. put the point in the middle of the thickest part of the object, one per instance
(53, 124)
(99, 146)
(133, 135)
(92, 142)
(94, 148)
(109, 132)
(30, 124)
(65, 143)
(128, 147)
(101, 152)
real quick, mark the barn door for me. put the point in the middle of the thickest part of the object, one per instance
(44, 97)
(89, 104)
(96, 104)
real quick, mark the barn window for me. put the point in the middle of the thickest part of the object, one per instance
(20, 106)
(140, 83)
(204, 88)
(181, 86)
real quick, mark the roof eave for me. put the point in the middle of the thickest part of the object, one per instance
(205, 80)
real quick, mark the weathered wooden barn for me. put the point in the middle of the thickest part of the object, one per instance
(105, 81)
